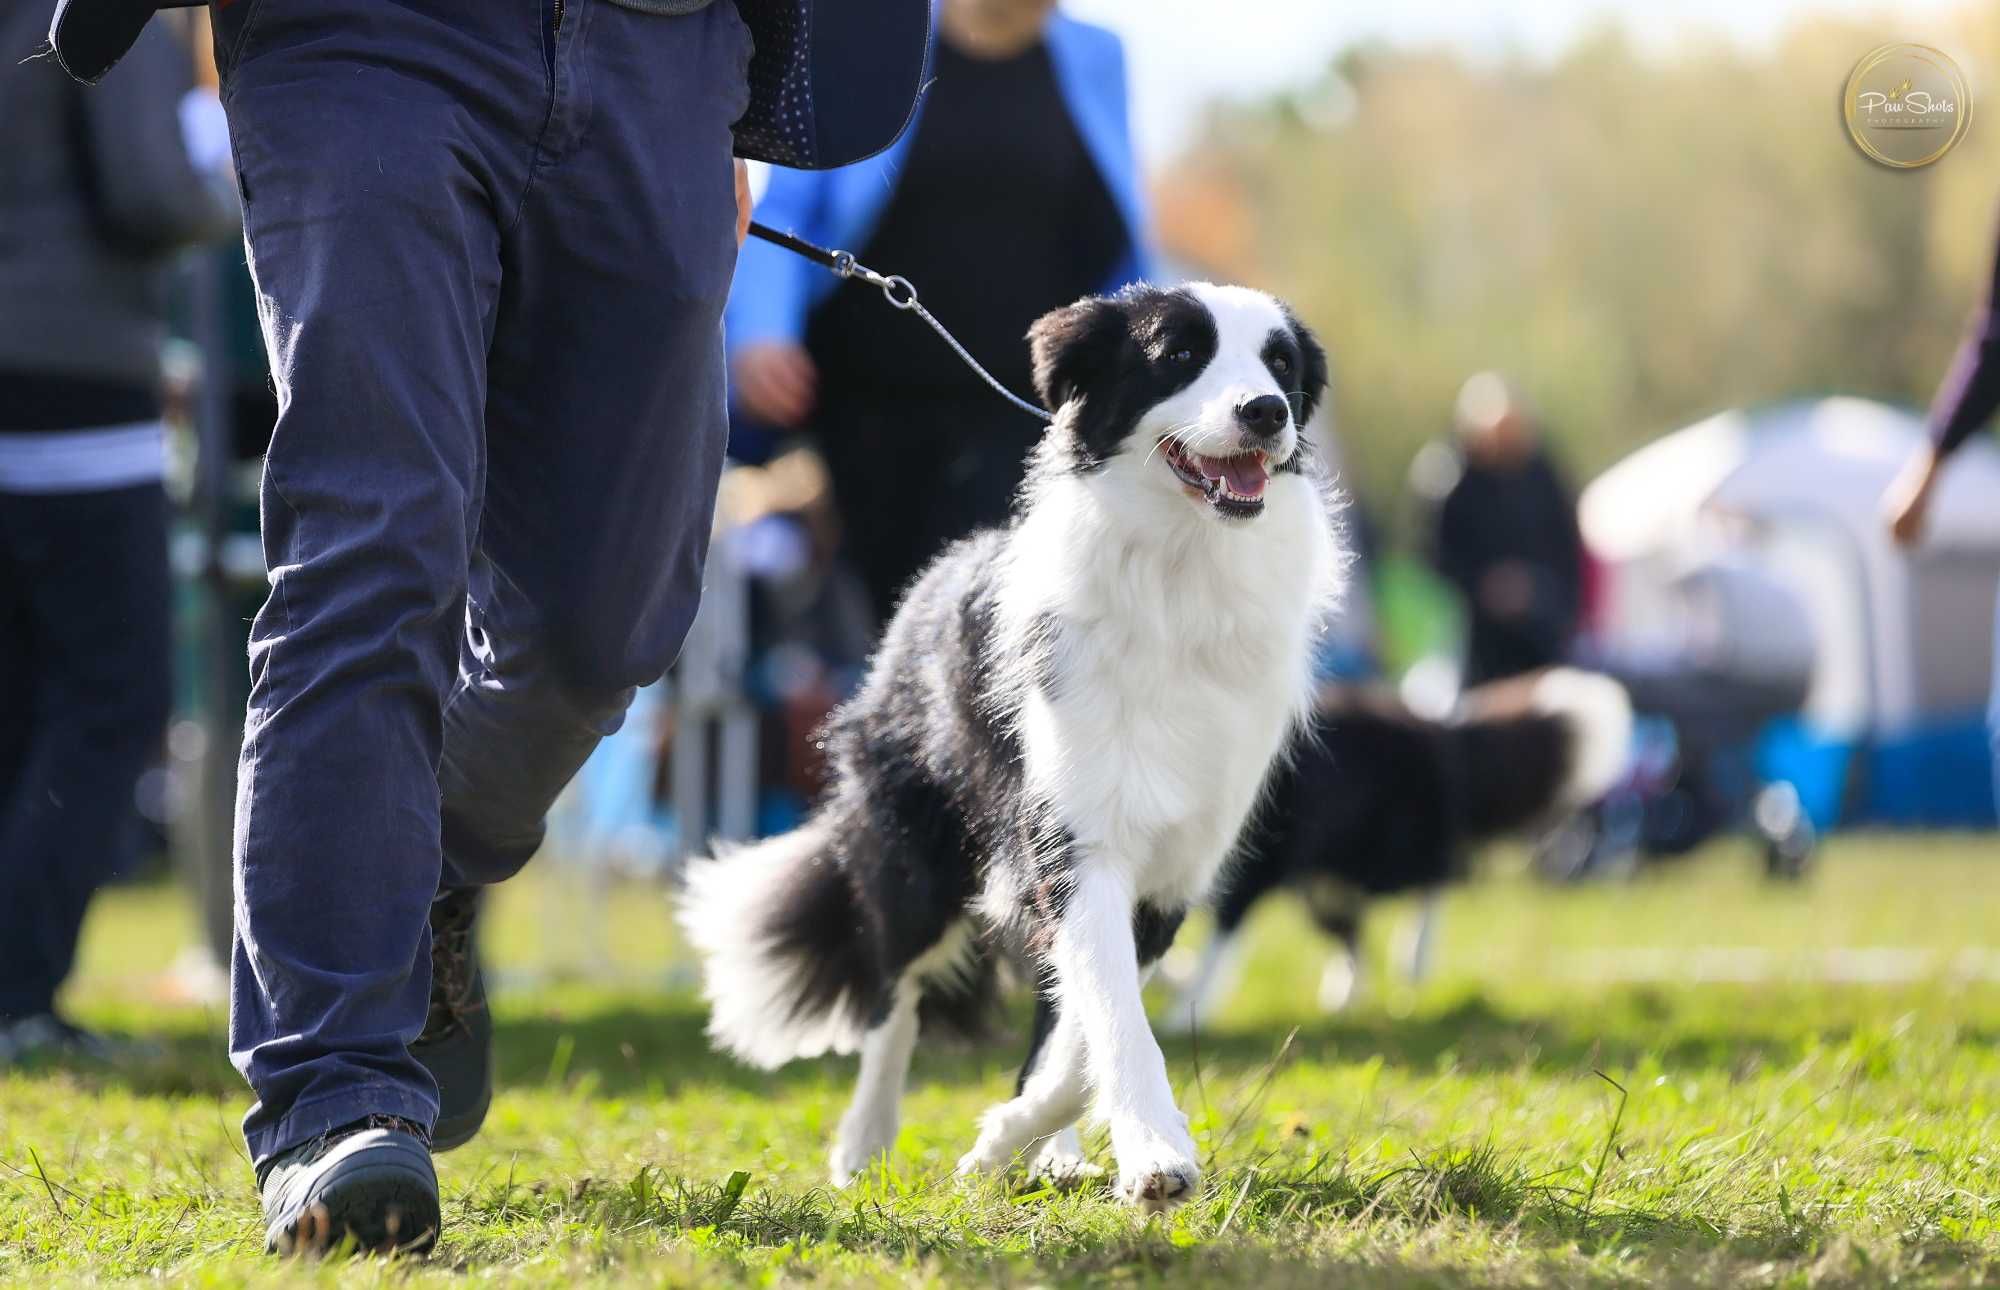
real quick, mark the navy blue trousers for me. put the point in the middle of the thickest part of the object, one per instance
(83, 703)
(491, 255)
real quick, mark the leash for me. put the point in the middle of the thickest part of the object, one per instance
(898, 291)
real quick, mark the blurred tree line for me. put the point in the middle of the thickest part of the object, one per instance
(1639, 237)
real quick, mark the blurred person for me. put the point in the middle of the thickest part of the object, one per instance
(492, 246)
(1502, 531)
(1965, 401)
(1016, 191)
(97, 191)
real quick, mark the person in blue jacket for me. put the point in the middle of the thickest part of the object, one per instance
(1016, 191)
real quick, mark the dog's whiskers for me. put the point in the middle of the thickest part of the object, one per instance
(1177, 433)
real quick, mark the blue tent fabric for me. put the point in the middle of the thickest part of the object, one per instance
(1937, 776)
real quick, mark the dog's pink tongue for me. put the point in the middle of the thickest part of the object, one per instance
(1246, 474)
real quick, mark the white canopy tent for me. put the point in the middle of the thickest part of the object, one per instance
(1904, 642)
(1800, 484)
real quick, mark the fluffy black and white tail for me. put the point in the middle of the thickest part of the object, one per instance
(787, 965)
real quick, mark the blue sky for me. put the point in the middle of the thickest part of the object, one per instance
(1185, 53)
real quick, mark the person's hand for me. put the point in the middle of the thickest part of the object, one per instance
(776, 382)
(1907, 502)
(1507, 590)
(742, 201)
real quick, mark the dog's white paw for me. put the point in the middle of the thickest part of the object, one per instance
(988, 1156)
(1061, 1163)
(1155, 1172)
(855, 1154)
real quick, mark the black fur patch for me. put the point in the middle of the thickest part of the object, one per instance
(1154, 929)
(1046, 1010)
(965, 1005)
(1305, 385)
(820, 921)
(1113, 358)
(1310, 380)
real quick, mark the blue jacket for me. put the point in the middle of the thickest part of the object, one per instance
(775, 290)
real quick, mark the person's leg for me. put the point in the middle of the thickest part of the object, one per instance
(379, 154)
(88, 606)
(17, 727)
(605, 419)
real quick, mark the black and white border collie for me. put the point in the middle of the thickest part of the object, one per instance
(1377, 801)
(1057, 743)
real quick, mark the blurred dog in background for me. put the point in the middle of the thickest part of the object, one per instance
(1377, 801)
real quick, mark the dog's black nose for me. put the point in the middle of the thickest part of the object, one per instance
(1265, 414)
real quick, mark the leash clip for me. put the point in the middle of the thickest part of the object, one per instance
(898, 290)
(901, 294)
(897, 282)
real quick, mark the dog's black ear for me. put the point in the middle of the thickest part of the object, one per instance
(1072, 346)
(1313, 375)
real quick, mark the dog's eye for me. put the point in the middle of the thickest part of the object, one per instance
(1181, 357)
(1281, 365)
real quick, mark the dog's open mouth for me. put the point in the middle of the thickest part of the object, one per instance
(1233, 485)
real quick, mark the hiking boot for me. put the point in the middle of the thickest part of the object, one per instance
(370, 1183)
(457, 1044)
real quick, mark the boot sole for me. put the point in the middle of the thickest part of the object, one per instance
(384, 1206)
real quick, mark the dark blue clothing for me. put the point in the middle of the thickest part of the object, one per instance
(83, 703)
(492, 252)
(1965, 400)
(1970, 392)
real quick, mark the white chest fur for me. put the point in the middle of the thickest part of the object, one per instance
(1183, 652)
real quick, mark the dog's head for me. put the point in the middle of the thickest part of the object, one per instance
(1205, 389)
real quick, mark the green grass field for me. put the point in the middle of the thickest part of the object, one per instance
(1787, 1110)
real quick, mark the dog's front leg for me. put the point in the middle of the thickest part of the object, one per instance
(1096, 961)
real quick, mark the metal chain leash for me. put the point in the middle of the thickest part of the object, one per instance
(901, 294)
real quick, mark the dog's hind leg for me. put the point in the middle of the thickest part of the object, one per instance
(868, 1129)
(1049, 1097)
(1061, 1163)
(1340, 978)
(1422, 950)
